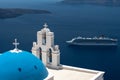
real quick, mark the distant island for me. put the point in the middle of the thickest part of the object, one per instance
(15, 12)
(100, 2)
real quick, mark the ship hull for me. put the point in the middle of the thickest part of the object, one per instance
(92, 44)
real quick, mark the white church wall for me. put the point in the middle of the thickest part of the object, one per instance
(49, 77)
(98, 74)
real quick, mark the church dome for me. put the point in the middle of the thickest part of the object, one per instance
(21, 65)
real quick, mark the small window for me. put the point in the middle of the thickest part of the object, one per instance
(19, 69)
(35, 67)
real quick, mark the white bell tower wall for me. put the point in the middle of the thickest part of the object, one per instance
(45, 49)
(50, 39)
(39, 38)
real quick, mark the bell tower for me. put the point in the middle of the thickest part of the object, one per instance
(45, 49)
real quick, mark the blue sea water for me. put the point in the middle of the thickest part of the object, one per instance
(67, 21)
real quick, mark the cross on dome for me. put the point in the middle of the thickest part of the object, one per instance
(15, 50)
(16, 44)
(45, 25)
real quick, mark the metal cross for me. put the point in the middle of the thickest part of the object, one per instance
(16, 44)
(45, 25)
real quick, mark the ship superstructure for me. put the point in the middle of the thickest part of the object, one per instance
(93, 41)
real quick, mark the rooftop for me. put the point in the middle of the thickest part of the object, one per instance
(73, 73)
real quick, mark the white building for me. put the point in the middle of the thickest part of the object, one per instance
(49, 53)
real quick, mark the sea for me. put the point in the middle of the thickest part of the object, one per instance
(67, 21)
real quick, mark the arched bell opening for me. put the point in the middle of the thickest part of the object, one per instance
(50, 55)
(44, 38)
(40, 51)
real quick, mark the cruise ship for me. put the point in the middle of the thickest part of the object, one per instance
(95, 41)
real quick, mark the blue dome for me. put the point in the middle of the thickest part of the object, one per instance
(21, 65)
